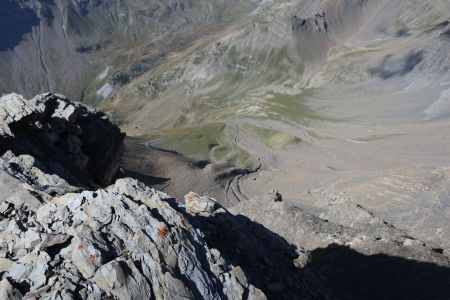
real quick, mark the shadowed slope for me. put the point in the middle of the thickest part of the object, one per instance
(352, 275)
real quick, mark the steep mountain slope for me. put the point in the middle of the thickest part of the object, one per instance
(311, 97)
(287, 55)
(65, 45)
(223, 60)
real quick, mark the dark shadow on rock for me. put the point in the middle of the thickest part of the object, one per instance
(15, 22)
(266, 258)
(389, 68)
(85, 151)
(146, 179)
(445, 34)
(403, 32)
(337, 272)
(440, 26)
(352, 275)
(233, 173)
(201, 164)
(163, 150)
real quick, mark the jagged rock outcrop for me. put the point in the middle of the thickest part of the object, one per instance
(127, 241)
(59, 239)
(316, 23)
(49, 134)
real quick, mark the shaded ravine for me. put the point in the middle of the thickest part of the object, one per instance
(19, 68)
(41, 57)
(64, 31)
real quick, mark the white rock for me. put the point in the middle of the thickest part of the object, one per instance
(8, 292)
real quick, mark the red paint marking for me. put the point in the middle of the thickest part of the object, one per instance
(163, 232)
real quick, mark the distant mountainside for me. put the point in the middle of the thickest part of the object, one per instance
(213, 56)
(64, 45)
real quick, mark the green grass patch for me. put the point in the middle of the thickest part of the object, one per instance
(209, 141)
(290, 108)
(275, 139)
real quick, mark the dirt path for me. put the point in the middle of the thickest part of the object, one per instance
(233, 190)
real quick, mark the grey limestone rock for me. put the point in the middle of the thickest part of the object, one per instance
(64, 237)
(128, 241)
(200, 205)
(316, 23)
(74, 143)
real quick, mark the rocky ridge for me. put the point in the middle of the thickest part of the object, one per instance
(64, 237)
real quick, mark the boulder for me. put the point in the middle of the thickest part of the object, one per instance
(200, 205)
